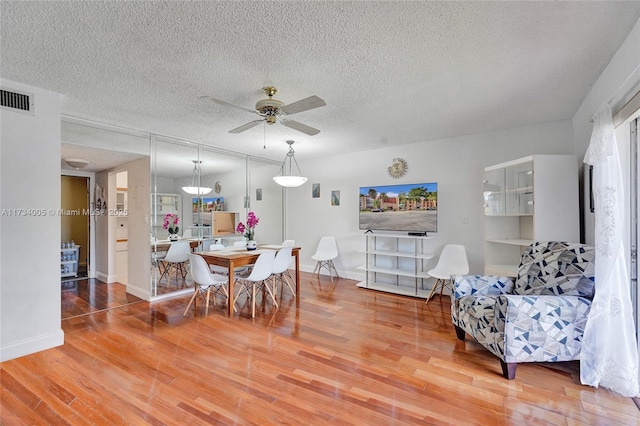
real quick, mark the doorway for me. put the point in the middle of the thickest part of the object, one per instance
(74, 225)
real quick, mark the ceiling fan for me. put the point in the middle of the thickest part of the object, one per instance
(272, 110)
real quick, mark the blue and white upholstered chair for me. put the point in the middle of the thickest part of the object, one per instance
(538, 318)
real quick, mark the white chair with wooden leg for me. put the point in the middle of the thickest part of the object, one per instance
(176, 258)
(258, 277)
(325, 253)
(281, 269)
(452, 261)
(213, 246)
(205, 283)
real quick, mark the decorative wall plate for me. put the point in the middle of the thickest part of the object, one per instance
(217, 187)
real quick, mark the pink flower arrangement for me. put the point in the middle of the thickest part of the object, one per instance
(249, 229)
(170, 223)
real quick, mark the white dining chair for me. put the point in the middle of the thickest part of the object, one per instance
(452, 261)
(258, 278)
(176, 258)
(288, 243)
(213, 246)
(281, 269)
(325, 253)
(205, 283)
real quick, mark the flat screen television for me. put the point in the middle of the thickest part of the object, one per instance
(403, 207)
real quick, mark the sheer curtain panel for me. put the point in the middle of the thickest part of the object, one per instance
(609, 356)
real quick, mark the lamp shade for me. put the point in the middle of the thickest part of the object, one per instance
(76, 163)
(195, 188)
(286, 177)
(290, 181)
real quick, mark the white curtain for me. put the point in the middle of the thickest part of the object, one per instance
(609, 355)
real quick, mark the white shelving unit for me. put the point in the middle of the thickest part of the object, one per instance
(396, 263)
(161, 204)
(530, 199)
(69, 258)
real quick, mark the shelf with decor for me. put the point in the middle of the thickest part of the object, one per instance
(161, 205)
(396, 263)
(530, 199)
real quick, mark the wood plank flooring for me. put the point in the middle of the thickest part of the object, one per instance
(338, 355)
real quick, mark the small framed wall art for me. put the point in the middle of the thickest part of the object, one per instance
(315, 190)
(335, 198)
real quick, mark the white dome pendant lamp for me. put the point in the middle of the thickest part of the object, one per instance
(286, 177)
(195, 188)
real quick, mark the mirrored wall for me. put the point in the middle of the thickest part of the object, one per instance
(199, 194)
(160, 171)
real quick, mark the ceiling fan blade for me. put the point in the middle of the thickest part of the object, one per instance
(300, 127)
(227, 104)
(247, 126)
(303, 105)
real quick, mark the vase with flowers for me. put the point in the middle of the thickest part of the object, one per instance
(249, 230)
(170, 223)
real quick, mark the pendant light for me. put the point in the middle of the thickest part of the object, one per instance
(286, 177)
(195, 188)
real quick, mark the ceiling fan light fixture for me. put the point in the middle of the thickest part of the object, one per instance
(286, 177)
(194, 188)
(76, 163)
(272, 111)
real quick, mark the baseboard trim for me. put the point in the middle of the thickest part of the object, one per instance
(102, 277)
(401, 290)
(32, 345)
(166, 296)
(142, 294)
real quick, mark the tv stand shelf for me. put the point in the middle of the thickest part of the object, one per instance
(395, 263)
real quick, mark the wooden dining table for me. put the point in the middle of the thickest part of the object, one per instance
(163, 245)
(234, 257)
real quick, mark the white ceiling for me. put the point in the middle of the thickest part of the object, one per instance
(390, 72)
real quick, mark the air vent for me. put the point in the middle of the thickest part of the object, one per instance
(16, 101)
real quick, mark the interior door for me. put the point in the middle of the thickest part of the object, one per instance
(74, 222)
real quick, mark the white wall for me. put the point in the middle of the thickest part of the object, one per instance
(30, 179)
(455, 163)
(612, 86)
(139, 206)
(268, 210)
(101, 225)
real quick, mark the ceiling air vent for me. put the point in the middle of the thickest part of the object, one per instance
(16, 101)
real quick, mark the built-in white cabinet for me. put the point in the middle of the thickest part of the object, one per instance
(397, 263)
(530, 199)
(69, 257)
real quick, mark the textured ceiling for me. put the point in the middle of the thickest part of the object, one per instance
(390, 72)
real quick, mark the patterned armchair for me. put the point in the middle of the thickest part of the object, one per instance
(540, 317)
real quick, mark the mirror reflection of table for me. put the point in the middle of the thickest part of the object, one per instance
(163, 245)
(234, 257)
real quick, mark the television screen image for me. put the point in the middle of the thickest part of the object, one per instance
(403, 207)
(205, 205)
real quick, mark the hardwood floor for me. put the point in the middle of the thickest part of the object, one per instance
(338, 355)
(80, 297)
